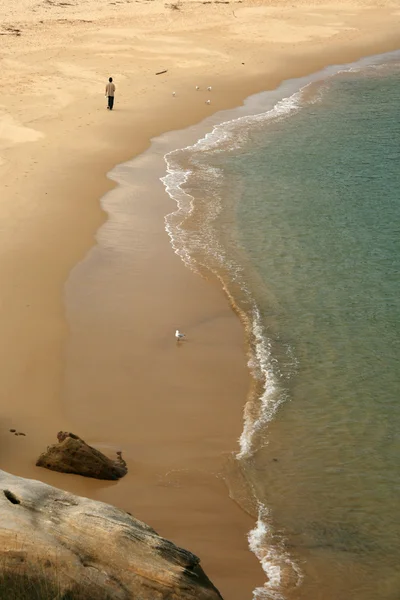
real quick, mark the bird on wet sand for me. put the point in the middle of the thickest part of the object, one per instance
(179, 336)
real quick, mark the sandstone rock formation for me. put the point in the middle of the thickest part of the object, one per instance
(88, 550)
(73, 455)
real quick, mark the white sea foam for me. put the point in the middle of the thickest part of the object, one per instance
(231, 135)
(272, 396)
(173, 182)
(226, 136)
(275, 561)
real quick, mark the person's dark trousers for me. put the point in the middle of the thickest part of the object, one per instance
(110, 102)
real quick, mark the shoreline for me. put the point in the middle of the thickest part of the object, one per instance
(32, 305)
(179, 434)
(259, 104)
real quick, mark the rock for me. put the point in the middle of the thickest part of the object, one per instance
(13, 430)
(73, 547)
(73, 455)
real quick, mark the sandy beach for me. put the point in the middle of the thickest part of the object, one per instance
(81, 357)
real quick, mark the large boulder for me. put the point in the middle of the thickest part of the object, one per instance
(58, 546)
(73, 455)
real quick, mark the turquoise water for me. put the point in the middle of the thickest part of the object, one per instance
(299, 214)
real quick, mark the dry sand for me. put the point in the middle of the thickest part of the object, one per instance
(112, 379)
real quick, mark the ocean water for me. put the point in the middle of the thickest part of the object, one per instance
(297, 211)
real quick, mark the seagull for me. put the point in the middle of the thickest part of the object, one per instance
(208, 101)
(174, 93)
(209, 88)
(178, 335)
(197, 87)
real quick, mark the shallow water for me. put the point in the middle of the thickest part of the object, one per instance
(297, 210)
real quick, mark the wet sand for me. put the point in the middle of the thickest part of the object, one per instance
(174, 409)
(113, 373)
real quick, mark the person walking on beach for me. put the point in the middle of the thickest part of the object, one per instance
(110, 91)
